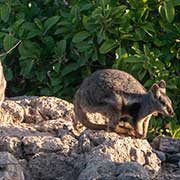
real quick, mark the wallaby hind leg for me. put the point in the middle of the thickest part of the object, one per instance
(82, 117)
(120, 127)
(112, 115)
(127, 129)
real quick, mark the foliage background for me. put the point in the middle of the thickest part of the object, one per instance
(62, 42)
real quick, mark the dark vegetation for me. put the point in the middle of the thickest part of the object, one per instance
(62, 42)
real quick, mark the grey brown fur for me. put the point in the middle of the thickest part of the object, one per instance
(120, 95)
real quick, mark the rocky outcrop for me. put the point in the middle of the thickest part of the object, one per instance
(38, 134)
(168, 150)
(105, 151)
(10, 167)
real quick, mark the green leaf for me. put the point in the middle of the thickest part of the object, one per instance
(107, 46)
(50, 43)
(55, 81)
(28, 49)
(133, 59)
(38, 23)
(8, 42)
(80, 36)
(146, 50)
(117, 11)
(86, 6)
(83, 46)
(50, 22)
(26, 66)
(60, 48)
(33, 33)
(5, 12)
(17, 24)
(2, 34)
(149, 29)
(69, 68)
(9, 74)
(176, 2)
(169, 10)
(45, 91)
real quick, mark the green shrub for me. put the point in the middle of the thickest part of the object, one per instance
(61, 42)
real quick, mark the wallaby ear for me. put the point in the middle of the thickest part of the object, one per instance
(162, 84)
(155, 90)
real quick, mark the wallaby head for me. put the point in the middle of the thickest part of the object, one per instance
(162, 101)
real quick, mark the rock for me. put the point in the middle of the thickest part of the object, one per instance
(55, 166)
(166, 144)
(12, 145)
(59, 127)
(36, 144)
(160, 155)
(40, 134)
(9, 167)
(168, 172)
(49, 144)
(46, 108)
(20, 130)
(131, 171)
(12, 111)
(37, 109)
(174, 158)
(103, 150)
(178, 164)
(24, 164)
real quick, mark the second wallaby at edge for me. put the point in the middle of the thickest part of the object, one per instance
(119, 95)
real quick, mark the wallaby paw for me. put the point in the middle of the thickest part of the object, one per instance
(135, 134)
(143, 137)
(140, 136)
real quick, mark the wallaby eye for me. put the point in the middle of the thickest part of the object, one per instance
(168, 109)
(163, 103)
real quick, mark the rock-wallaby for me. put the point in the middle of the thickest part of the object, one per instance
(2, 84)
(119, 95)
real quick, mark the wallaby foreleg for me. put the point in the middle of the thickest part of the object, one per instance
(146, 125)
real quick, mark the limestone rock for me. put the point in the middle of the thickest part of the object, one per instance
(9, 167)
(54, 166)
(166, 144)
(20, 130)
(103, 150)
(174, 158)
(131, 170)
(12, 112)
(161, 155)
(49, 144)
(37, 109)
(11, 144)
(169, 172)
(40, 134)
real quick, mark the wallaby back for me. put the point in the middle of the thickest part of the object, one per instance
(103, 84)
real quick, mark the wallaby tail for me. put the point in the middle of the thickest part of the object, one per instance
(81, 116)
